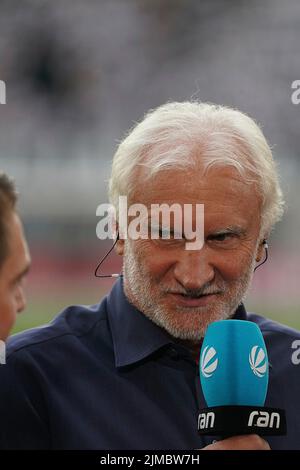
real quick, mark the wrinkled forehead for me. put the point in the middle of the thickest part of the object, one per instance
(211, 186)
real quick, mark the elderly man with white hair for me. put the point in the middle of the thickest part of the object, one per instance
(123, 374)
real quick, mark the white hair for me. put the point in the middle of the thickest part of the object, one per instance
(180, 135)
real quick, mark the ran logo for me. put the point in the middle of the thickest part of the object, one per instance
(206, 420)
(263, 419)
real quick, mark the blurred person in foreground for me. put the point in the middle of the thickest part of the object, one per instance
(123, 374)
(14, 258)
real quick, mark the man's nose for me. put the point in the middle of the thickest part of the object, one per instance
(21, 301)
(194, 269)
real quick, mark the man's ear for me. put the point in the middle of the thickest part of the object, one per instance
(119, 247)
(260, 250)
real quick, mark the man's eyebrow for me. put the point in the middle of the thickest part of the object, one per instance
(235, 229)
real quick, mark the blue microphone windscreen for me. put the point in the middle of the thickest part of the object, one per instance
(234, 364)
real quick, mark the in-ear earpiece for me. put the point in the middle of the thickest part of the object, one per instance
(104, 258)
(266, 246)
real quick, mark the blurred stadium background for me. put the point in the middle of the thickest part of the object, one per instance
(79, 73)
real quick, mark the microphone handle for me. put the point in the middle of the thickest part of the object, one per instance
(234, 420)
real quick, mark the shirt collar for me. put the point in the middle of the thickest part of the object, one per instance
(134, 335)
(240, 313)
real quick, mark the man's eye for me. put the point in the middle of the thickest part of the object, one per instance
(167, 237)
(221, 237)
(162, 233)
(167, 234)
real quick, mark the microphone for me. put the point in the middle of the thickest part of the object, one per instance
(234, 374)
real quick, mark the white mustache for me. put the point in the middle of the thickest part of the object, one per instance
(196, 292)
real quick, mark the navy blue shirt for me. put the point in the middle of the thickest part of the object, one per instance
(106, 377)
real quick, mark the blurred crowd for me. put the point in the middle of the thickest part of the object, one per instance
(79, 73)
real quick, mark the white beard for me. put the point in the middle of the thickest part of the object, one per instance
(187, 323)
